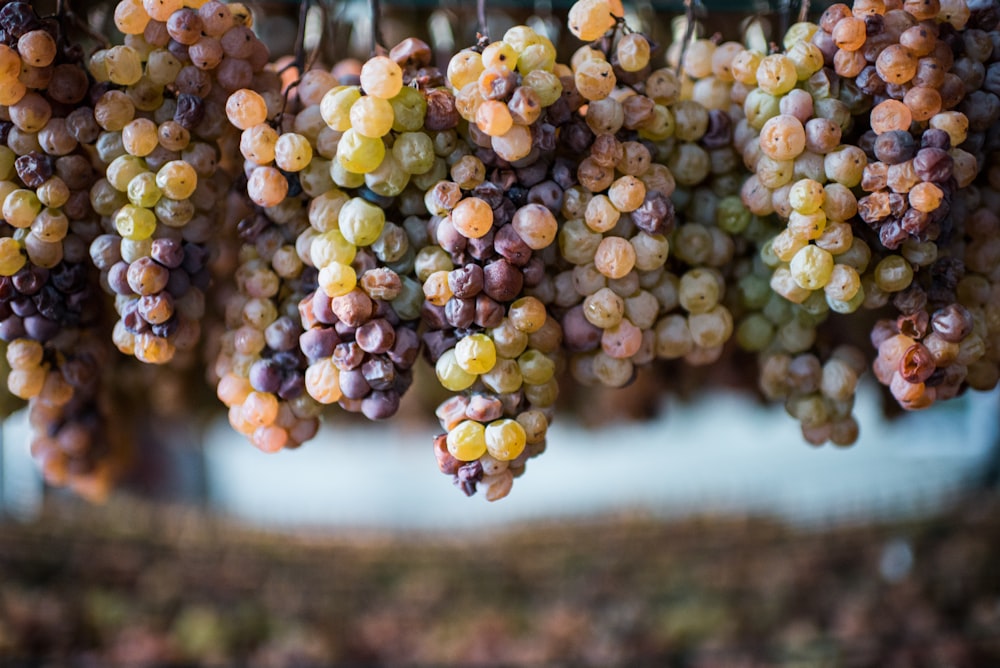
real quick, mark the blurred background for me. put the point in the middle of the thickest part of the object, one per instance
(707, 535)
(687, 531)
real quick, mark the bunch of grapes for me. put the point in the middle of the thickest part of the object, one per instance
(50, 313)
(524, 223)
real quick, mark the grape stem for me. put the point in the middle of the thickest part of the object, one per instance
(65, 13)
(804, 11)
(311, 59)
(688, 33)
(377, 41)
(484, 32)
(301, 61)
(300, 36)
(785, 9)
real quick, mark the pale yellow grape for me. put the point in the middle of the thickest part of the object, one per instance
(325, 208)
(521, 37)
(372, 116)
(541, 56)
(360, 222)
(464, 68)
(177, 179)
(331, 246)
(467, 441)
(537, 368)
(292, 152)
(955, 123)
(499, 54)
(409, 109)
(337, 279)
(162, 67)
(660, 126)
(123, 169)
(20, 207)
(135, 222)
(124, 65)
(359, 154)
(335, 106)
(722, 60)
(504, 377)
(381, 77)
(53, 193)
(505, 439)
(12, 258)
(468, 101)
(546, 85)
(806, 58)
(806, 196)
(776, 74)
(811, 267)
(450, 373)
(414, 151)
(476, 353)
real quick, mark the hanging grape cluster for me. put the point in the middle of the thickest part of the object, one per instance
(299, 236)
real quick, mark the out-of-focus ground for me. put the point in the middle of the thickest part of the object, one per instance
(708, 536)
